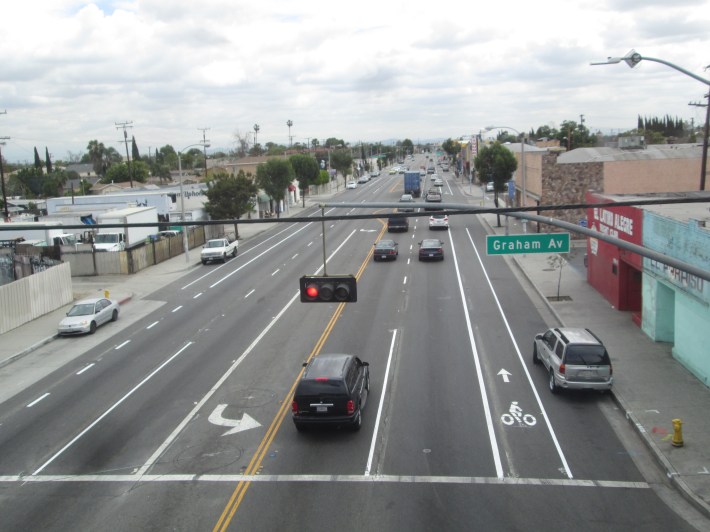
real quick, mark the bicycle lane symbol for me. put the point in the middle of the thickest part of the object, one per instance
(515, 416)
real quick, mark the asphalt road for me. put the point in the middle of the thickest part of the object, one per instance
(178, 415)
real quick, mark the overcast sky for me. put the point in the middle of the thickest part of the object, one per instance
(359, 71)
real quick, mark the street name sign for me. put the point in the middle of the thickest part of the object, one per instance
(528, 243)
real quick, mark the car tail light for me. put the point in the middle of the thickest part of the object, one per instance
(294, 407)
(562, 369)
(351, 407)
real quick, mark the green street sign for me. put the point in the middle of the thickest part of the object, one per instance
(533, 243)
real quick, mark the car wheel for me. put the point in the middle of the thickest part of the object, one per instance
(536, 359)
(114, 315)
(224, 258)
(553, 385)
(357, 424)
(92, 327)
(204, 262)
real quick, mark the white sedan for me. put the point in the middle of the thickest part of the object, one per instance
(86, 315)
(351, 184)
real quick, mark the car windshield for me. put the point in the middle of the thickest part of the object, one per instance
(385, 244)
(84, 309)
(106, 238)
(215, 244)
(586, 355)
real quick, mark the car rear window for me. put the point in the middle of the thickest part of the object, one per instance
(586, 355)
(314, 387)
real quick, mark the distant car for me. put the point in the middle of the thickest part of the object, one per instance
(431, 249)
(392, 171)
(433, 195)
(364, 178)
(406, 198)
(438, 183)
(439, 221)
(430, 170)
(351, 184)
(445, 167)
(574, 358)
(376, 173)
(490, 186)
(385, 250)
(169, 233)
(332, 391)
(86, 316)
(397, 224)
(422, 172)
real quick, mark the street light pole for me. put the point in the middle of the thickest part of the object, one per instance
(182, 200)
(633, 58)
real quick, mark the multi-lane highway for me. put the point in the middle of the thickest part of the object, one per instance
(181, 418)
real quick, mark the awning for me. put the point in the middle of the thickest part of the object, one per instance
(263, 197)
(292, 188)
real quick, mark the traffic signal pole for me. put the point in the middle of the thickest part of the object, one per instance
(322, 221)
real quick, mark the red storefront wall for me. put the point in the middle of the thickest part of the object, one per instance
(614, 272)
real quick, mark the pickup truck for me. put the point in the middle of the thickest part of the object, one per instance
(218, 249)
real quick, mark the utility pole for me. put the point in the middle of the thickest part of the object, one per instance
(289, 123)
(704, 161)
(204, 146)
(256, 142)
(124, 126)
(2, 177)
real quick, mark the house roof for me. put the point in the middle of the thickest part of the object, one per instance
(676, 211)
(652, 152)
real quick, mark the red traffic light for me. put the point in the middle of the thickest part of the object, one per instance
(328, 289)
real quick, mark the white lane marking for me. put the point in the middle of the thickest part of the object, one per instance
(479, 371)
(38, 400)
(505, 374)
(522, 363)
(405, 280)
(296, 255)
(196, 295)
(309, 244)
(409, 260)
(119, 346)
(275, 272)
(152, 324)
(169, 440)
(176, 308)
(85, 368)
(389, 479)
(111, 409)
(237, 425)
(249, 293)
(259, 255)
(371, 454)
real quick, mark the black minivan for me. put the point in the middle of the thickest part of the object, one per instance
(332, 391)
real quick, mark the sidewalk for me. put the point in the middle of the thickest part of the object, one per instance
(650, 386)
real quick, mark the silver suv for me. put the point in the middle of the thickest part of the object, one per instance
(575, 359)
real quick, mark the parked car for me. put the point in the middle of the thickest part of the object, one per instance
(439, 221)
(332, 391)
(431, 249)
(351, 184)
(87, 315)
(490, 186)
(385, 250)
(574, 358)
(364, 178)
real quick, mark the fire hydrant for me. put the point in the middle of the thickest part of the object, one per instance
(677, 440)
(106, 294)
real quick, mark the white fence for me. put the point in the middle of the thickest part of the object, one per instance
(34, 296)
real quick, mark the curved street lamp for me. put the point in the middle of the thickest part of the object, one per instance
(523, 194)
(182, 198)
(633, 58)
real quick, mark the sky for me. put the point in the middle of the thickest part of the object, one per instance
(366, 71)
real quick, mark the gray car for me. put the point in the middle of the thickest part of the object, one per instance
(86, 315)
(574, 358)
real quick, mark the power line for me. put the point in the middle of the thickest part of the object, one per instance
(124, 126)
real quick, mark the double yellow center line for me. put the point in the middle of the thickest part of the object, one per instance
(255, 463)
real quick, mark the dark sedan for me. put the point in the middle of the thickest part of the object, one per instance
(431, 249)
(385, 250)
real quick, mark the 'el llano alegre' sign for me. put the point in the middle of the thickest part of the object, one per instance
(532, 243)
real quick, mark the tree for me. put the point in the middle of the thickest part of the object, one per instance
(120, 173)
(408, 146)
(134, 150)
(229, 197)
(38, 161)
(274, 176)
(495, 163)
(307, 172)
(47, 160)
(342, 161)
(452, 148)
(29, 182)
(96, 151)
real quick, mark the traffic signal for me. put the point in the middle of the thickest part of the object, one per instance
(328, 289)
